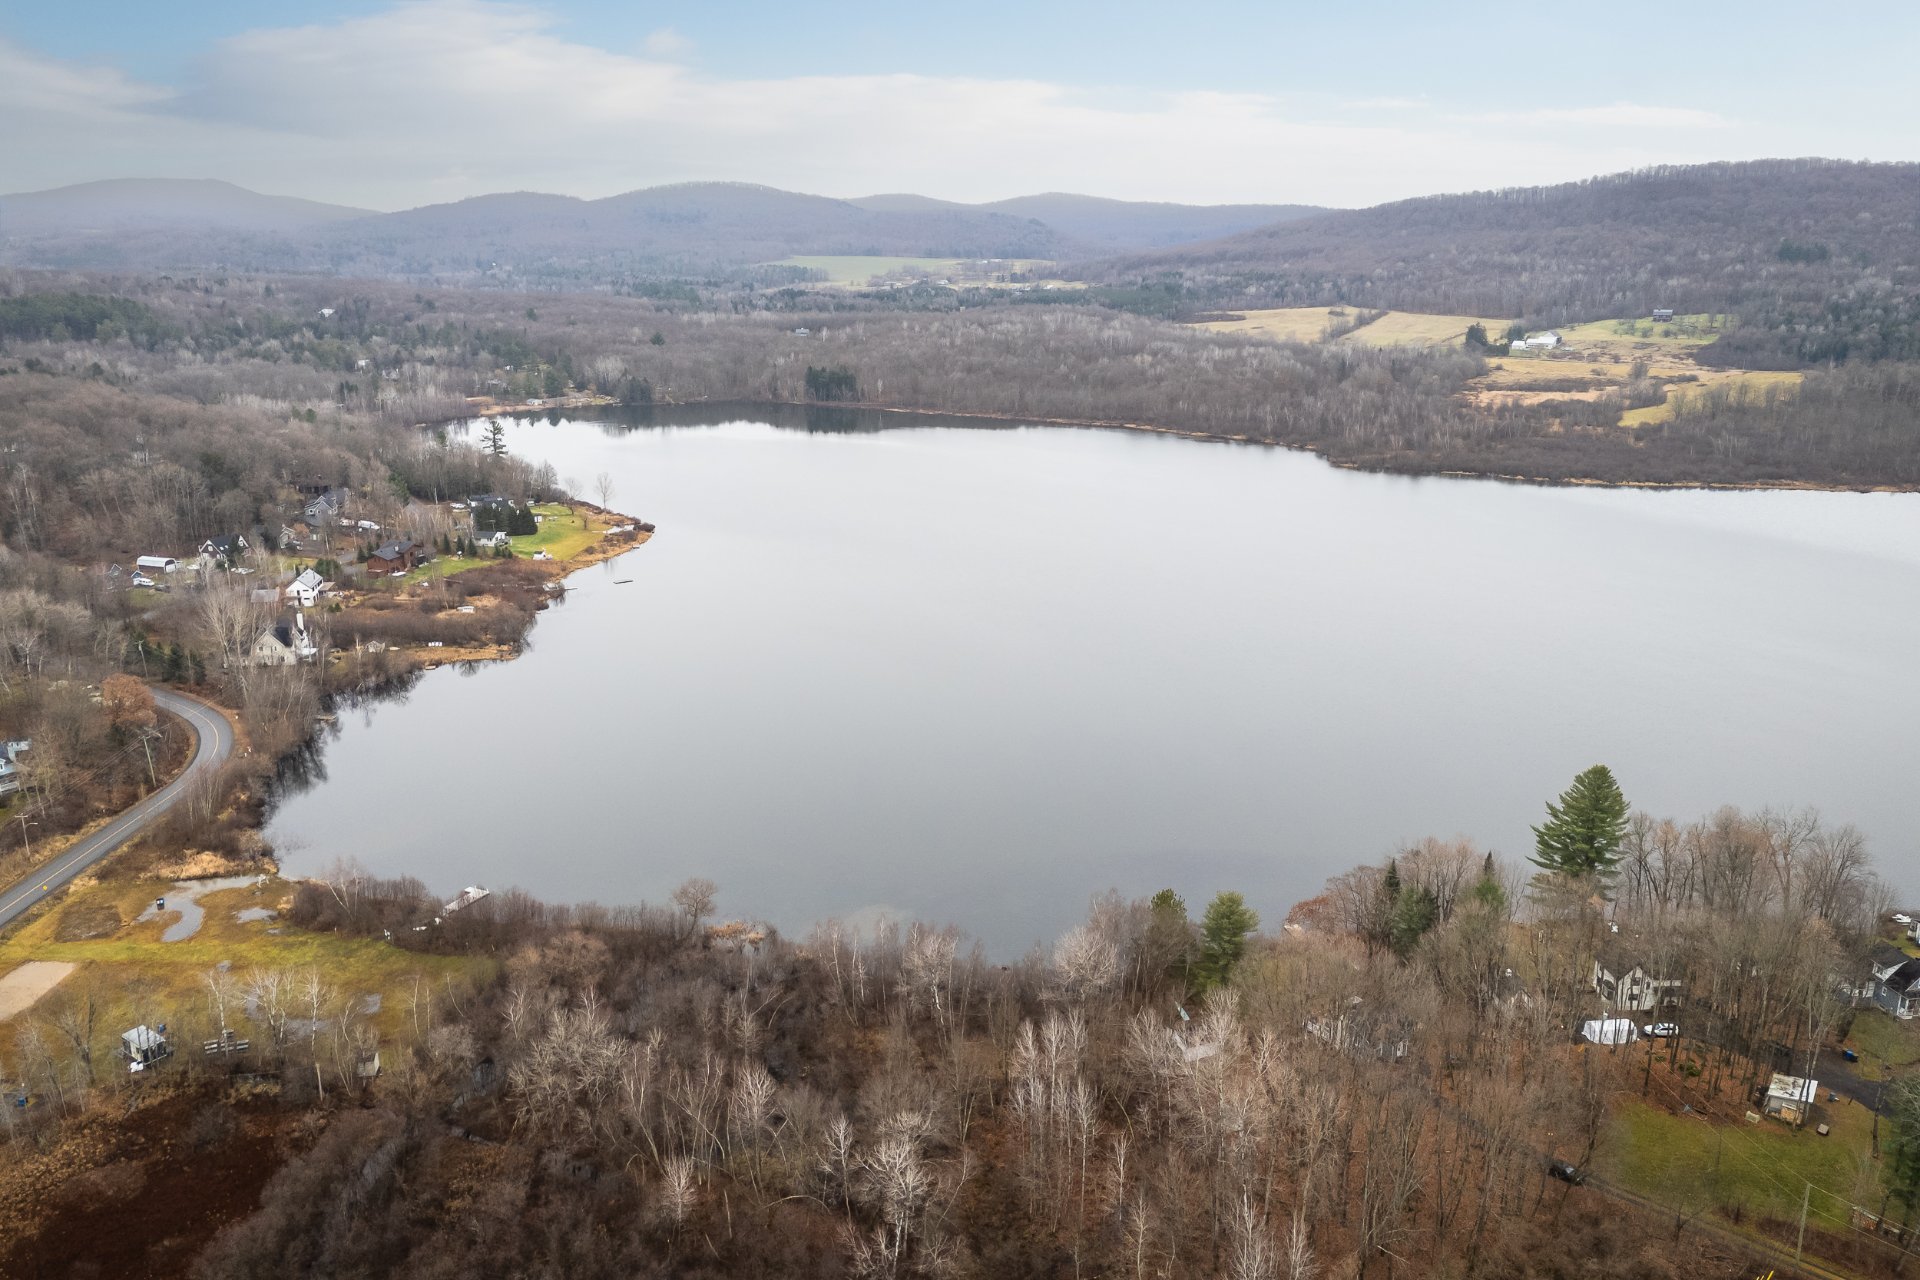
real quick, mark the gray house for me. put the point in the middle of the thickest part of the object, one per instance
(1896, 981)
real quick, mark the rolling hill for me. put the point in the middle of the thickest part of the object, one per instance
(1785, 243)
(124, 204)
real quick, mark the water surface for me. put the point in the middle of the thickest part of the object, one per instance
(976, 675)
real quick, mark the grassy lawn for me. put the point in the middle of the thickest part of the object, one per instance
(135, 977)
(1681, 332)
(1883, 1041)
(1689, 1163)
(440, 567)
(562, 534)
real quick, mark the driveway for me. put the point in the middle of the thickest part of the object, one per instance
(213, 746)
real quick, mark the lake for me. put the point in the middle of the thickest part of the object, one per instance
(974, 675)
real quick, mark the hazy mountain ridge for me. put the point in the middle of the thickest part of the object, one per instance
(685, 226)
(146, 203)
(1118, 226)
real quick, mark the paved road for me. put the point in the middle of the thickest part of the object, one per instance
(213, 744)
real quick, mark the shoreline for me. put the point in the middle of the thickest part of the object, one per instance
(1148, 428)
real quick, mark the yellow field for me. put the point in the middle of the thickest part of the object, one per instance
(1281, 324)
(1394, 329)
(860, 271)
(1417, 329)
(1752, 381)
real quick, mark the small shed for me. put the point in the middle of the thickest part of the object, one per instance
(1790, 1098)
(144, 1046)
(156, 564)
(1663, 313)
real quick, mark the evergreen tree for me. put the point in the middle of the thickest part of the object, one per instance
(1223, 937)
(494, 438)
(1414, 913)
(1488, 891)
(1583, 830)
(1170, 936)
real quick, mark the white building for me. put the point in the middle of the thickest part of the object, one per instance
(306, 588)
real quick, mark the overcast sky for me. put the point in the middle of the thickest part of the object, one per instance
(389, 105)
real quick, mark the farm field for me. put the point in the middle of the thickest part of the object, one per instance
(1281, 324)
(1748, 381)
(1419, 329)
(1392, 329)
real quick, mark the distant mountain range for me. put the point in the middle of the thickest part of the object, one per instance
(143, 204)
(687, 227)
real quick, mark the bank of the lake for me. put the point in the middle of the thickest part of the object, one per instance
(974, 674)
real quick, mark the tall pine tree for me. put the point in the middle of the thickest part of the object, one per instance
(1583, 830)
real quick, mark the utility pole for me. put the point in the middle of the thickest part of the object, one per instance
(1801, 1243)
(146, 740)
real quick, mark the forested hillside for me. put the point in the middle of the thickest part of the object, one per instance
(1819, 259)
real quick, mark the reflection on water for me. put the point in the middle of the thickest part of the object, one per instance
(979, 675)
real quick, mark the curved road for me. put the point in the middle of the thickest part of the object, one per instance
(213, 745)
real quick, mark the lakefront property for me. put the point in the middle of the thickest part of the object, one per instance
(619, 662)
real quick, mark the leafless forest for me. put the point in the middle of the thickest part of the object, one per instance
(648, 1092)
(393, 354)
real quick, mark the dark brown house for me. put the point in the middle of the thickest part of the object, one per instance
(394, 557)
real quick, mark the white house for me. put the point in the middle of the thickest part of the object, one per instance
(225, 549)
(306, 588)
(10, 753)
(490, 541)
(1629, 985)
(1540, 341)
(283, 644)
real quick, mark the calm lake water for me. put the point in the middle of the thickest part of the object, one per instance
(975, 675)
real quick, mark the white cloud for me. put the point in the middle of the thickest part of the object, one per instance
(441, 99)
(667, 44)
(1621, 115)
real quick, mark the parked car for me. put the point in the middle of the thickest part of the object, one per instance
(1659, 1030)
(141, 580)
(1901, 917)
(1566, 1172)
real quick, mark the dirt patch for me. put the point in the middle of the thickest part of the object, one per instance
(19, 989)
(87, 920)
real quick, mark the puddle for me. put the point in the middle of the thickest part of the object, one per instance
(250, 914)
(184, 898)
(371, 1004)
